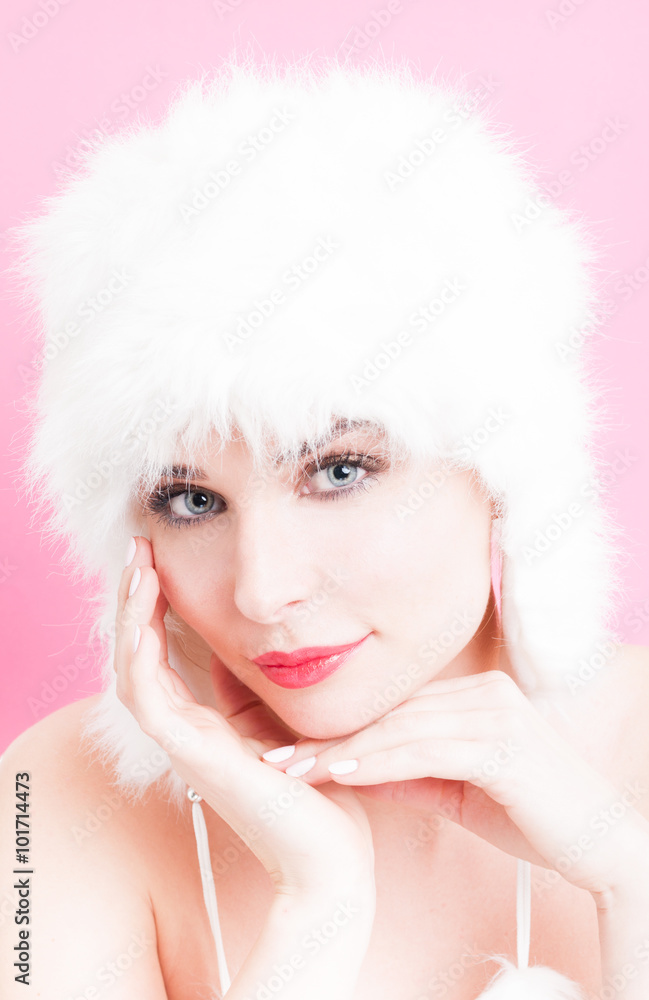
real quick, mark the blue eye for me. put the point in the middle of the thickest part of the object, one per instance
(192, 502)
(337, 473)
(184, 506)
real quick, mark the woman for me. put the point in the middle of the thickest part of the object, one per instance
(307, 287)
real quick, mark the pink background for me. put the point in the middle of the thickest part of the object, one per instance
(560, 68)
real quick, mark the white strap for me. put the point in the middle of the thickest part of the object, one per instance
(523, 897)
(209, 893)
(523, 912)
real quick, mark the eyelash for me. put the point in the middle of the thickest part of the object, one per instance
(158, 503)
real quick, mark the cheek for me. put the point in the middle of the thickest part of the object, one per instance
(188, 582)
(432, 565)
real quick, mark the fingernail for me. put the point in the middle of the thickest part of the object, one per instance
(279, 753)
(136, 637)
(134, 582)
(343, 767)
(302, 766)
(130, 552)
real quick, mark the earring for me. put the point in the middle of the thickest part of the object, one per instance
(497, 563)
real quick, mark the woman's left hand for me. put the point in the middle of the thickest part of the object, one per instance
(477, 747)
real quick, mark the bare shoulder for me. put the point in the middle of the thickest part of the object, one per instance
(67, 782)
(84, 900)
(55, 740)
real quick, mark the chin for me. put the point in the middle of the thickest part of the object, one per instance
(326, 719)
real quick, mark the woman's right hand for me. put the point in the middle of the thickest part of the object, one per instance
(308, 839)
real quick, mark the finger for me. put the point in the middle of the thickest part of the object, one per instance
(396, 729)
(454, 760)
(473, 693)
(146, 558)
(137, 610)
(151, 705)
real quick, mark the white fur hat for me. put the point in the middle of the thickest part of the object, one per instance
(291, 244)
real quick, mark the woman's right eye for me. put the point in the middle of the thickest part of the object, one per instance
(182, 507)
(192, 502)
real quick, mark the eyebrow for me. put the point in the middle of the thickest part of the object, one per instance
(339, 427)
(343, 425)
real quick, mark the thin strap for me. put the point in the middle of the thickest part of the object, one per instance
(209, 893)
(523, 912)
(523, 897)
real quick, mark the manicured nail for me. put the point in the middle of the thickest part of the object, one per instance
(130, 552)
(134, 582)
(136, 637)
(343, 767)
(279, 753)
(302, 766)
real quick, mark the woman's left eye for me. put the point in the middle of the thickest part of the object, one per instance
(339, 474)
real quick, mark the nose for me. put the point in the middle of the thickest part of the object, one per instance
(274, 562)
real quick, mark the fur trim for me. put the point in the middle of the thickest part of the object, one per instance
(537, 982)
(255, 259)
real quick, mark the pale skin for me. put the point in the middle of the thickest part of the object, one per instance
(428, 896)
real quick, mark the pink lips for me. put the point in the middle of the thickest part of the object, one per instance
(305, 666)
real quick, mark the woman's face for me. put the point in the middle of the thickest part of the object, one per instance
(300, 557)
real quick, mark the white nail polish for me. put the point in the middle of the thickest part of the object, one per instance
(130, 552)
(136, 637)
(302, 766)
(279, 753)
(134, 582)
(343, 767)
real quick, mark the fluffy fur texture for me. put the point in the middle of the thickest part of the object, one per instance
(533, 983)
(140, 270)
